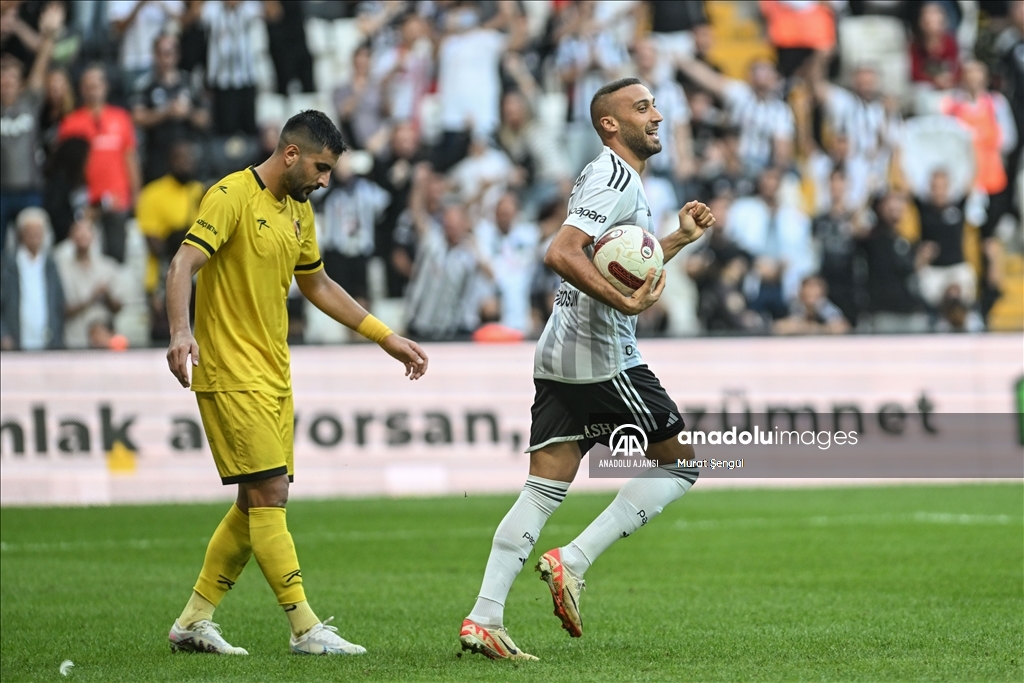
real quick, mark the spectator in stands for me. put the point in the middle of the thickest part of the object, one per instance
(941, 248)
(836, 232)
(193, 38)
(544, 283)
(510, 246)
(797, 30)
(892, 263)
(167, 108)
(422, 215)
(136, 24)
(765, 120)
(987, 114)
(405, 69)
(779, 239)
(530, 145)
(673, 25)
(589, 55)
(393, 170)
(20, 30)
(444, 297)
(66, 192)
(703, 40)
(166, 210)
(231, 64)
(468, 76)
(718, 268)
(955, 315)
(31, 297)
(90, 283)
(723, 171)
(675, 161)
(869, 122)
(21, 176)
(286, 35)
(112, 171)
(347, 233)
(934, 54)
(812, 312)
(482, 177)
(358, 102)
(59, 101)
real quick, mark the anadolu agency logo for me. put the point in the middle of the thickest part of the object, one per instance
(628, 444)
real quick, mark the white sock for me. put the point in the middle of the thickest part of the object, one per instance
(513, 542)
(639, 501)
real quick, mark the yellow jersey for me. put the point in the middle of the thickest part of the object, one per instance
(165, 207)
(255, 244)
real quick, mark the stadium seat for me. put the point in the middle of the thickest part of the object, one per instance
(551, 111)
(880, 42)
(318, 36)
(270, 108)
(297, 102)
(347, 38)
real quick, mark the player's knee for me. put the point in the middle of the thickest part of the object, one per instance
(267, 493)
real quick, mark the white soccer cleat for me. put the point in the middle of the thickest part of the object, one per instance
(324, 640)
(202, 636)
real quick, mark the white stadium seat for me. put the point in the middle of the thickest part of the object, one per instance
(318, 36)
(270, 108)
(880, 42)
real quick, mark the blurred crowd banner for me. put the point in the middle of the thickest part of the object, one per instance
(101, 428)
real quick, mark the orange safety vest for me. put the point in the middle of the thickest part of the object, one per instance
(980, 118)
(788, 27)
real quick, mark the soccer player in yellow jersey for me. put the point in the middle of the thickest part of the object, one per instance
(254, 232)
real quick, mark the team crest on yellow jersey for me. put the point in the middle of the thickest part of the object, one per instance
(298, 230)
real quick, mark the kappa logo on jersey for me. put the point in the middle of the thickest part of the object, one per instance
(223, 188)
(298, 230)
(588, 213)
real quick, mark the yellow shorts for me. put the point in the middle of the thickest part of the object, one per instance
(251, 434)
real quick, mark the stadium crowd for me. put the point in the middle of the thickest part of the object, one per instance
(844, 176)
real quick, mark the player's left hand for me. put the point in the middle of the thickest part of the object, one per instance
(694, 219)
(407, 351)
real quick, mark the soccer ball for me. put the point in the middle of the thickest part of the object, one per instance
(624, 254)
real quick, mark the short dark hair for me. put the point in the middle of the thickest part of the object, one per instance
(312, 130)
(599, 103)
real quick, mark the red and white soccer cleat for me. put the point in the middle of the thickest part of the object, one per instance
(494, 643)
(565, 590)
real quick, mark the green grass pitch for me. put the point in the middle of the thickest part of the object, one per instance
(901, 583)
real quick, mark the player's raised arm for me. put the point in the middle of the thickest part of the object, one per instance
(332, 299)
(184, 266)
(566, 256)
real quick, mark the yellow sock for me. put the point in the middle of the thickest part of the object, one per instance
(197, 609)
(301, 617)
(226, 555)
(275, 551)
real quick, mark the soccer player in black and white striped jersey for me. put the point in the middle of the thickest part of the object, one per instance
(587, 363)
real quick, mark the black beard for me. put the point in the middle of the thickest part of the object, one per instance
(295, 192)
(639, 144)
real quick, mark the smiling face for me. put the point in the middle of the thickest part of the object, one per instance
(306, 171)
(636, 120)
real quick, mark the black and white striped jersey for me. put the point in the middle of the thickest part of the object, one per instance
(586, 341)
